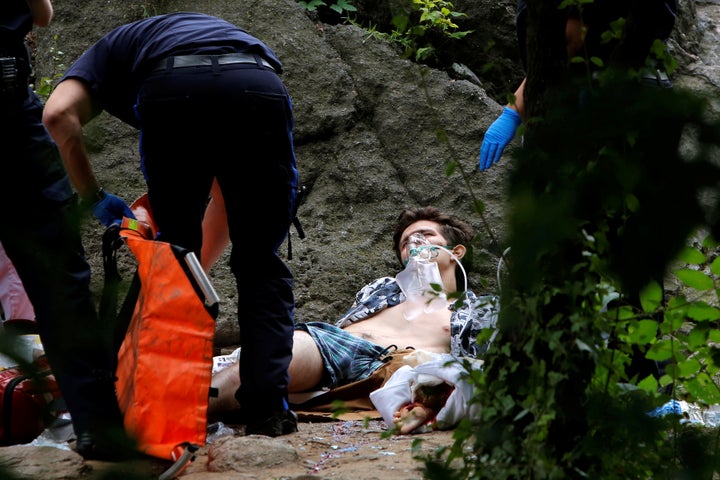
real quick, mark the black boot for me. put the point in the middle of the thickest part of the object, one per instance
(99, 427)
(107, 443)
(280, 423)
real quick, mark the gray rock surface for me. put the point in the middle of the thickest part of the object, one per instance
(366, 143)
(367, 124)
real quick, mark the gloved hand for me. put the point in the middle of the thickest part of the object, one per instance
(498, 136)
(111, 209)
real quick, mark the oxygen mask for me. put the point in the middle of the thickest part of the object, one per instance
(421, 281)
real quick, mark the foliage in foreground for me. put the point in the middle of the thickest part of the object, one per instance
(604, 196)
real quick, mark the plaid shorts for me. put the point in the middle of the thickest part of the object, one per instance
(347, 358)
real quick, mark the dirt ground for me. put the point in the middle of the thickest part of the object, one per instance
(351, 450)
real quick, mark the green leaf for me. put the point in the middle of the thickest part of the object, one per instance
(677, 302)
(709, 242)
(672, 370)
(342, 5)
(697, 338)
(423, 53)
(312, 5)
(400, 22)
(702, 389)
(632, 202)
(689, 367)
(715, 266)
(672, 321)
(694, 279)
(649, 384)
(625, 312)
(701, 311)
(666, 380)
(651, 297)
(450, 168)
(644, 332)
(597, 61)
(461, 35)
(690, 255)
(660, 351)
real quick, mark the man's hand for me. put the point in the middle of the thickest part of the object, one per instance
(500, 133)
(111, 209)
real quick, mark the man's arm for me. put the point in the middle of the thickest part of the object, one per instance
(502, 130)
(67, 109)
(42, 12)
(216, 236)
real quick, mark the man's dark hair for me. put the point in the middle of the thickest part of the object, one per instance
(456, 231)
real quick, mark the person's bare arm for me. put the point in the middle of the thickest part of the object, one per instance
(519, 104)
(67, 109)
(42, 12)
(216, 235)
(574, 41)
(574, 36)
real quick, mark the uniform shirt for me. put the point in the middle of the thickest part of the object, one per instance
(16, 22)
(475, 314)
(116, 65)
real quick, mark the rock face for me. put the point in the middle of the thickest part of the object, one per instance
(41, 462)
(366, 142)
(374, 134)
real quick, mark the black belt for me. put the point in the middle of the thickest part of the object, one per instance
(182, 61)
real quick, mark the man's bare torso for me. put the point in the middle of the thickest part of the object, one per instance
(427, 331)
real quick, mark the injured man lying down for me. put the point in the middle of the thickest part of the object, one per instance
(426, 313)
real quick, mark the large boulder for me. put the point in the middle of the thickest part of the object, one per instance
(374, 134)
(367, 124)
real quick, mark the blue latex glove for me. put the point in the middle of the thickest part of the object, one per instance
(111, 209)
(498, 136)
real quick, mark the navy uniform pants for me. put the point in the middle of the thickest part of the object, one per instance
(40, 231)
(234, 123)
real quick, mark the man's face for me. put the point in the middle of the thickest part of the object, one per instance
(431, 232)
